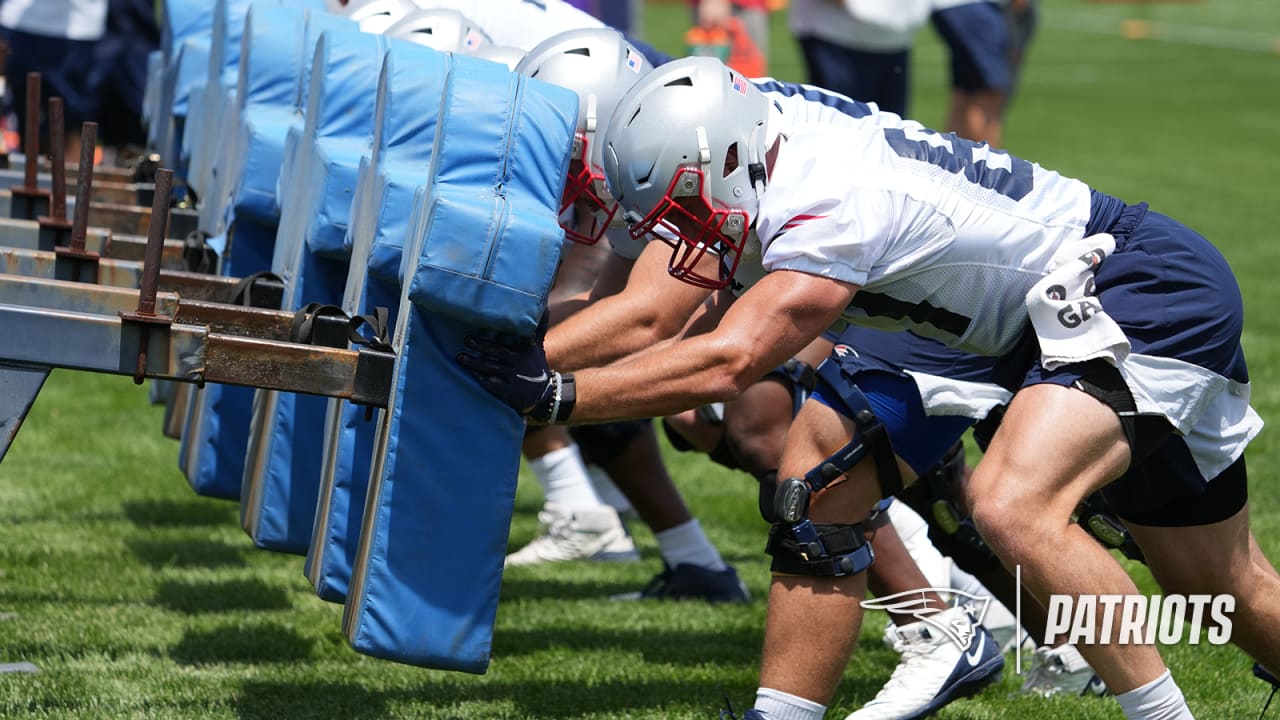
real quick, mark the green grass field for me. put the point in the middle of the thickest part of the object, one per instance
(138, 599)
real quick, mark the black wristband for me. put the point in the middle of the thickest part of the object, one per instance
(568, 398)
(557, 400)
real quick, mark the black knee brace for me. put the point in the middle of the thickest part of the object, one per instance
(1095, 516)
(791, 503)
(797, 376)
(602, 443)
(954, 534)
(804, 548)
(768, 489)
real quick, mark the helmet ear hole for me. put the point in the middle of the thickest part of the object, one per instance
(730, 160)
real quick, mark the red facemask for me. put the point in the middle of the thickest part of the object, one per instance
(693, 228)
(592, 213)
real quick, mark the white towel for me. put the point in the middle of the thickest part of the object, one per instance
(1068, 319)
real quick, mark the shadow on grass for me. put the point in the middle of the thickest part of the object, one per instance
(529, 584)
(273, 700)
(550, 698)
(260, 643)
(669, 647)
(186, 513)
(188, 553)
(197, 596)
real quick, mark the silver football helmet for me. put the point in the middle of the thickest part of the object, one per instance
(684, 155)
(600, 65)
(375, 16)
(439, 29)
(508, 55)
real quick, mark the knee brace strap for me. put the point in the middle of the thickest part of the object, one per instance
(803, 548)
(1095, 516)
(945, 515)
(799, 377)
(791, 503)
(724, 454)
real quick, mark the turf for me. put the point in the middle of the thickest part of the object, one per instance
(137, 599)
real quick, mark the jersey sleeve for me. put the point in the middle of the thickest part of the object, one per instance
(840, 238)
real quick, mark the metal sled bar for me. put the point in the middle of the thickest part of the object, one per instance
(221, 318)
(128, 274)
(190, 353)
(26, 235)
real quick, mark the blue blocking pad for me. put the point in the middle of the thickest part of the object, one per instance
(215, 436)
(272, 61)
(184, 50)
(204, 122)
(269, 103)
(499, 279)
(181, 78)
(281, 477)
(424, 589)
(407, 105)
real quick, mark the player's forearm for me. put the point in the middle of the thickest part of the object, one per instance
(606, 331)
(684, 375)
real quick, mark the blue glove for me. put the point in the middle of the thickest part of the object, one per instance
(515, 371)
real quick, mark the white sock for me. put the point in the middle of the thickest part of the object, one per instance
(1159, 699)
(564, 480)
(686, 543)
(608, 493)
(915, 536)
(777, 705)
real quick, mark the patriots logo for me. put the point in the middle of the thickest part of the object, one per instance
(914, 603)
(844, 351)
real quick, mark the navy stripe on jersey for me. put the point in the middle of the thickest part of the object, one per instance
(849, 107)
(879, 305)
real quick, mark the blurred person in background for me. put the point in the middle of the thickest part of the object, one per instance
(58, 39)
(860, 48)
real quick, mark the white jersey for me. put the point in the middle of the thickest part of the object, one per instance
(71, 19)
(944, 236)
(519, 23)
(792, 105)
(867, 25)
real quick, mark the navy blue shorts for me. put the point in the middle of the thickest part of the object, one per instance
(881, 78)
(977, 34)
(872, 361)
(1171, 292)
(67, 70)
(1174, 295)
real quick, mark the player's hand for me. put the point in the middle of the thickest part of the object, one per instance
(515, 371)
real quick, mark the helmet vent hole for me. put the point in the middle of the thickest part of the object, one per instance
(633, 117)
(585, 52)
(685, 81)
(730, 160)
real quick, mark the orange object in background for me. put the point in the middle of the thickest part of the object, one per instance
(708, 41)
(744, 55)
(731, 43)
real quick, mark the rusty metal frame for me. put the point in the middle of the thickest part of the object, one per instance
(40, 337)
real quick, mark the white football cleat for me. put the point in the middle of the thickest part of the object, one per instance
(592, 533)
(1062, 670)
(935, 669)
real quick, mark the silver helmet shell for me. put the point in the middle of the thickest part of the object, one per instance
(600, 66)
(684, 155)
(508, 55)
(439, 29)
(375, 16)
